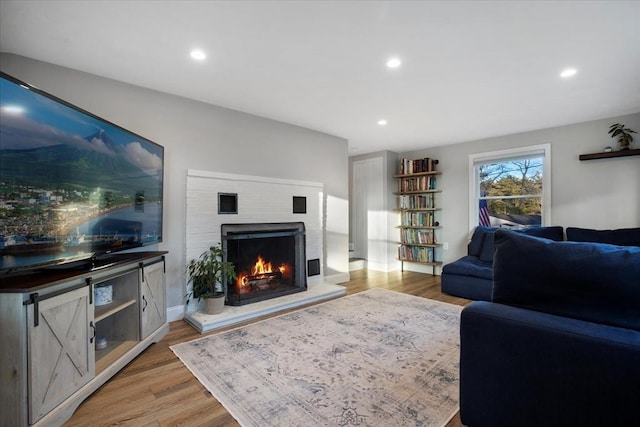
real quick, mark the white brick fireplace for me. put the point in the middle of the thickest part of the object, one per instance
(259, 200)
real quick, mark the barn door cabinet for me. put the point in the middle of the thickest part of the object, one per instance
(62, 339)
(153, 313)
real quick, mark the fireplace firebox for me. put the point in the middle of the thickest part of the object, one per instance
(269, 260)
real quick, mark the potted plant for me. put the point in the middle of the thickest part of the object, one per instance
(623, 134)
(207, 275)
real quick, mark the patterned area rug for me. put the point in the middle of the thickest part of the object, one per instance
(376, 358)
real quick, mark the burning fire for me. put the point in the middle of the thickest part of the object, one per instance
(262, 267)
(261, 275)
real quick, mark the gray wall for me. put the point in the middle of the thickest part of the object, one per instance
(210, 138)
(601, 194)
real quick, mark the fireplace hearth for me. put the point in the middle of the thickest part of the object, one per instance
(269, 260)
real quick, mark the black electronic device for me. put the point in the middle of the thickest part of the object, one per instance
(73, 186)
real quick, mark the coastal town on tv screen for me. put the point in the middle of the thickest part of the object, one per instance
(71, 183)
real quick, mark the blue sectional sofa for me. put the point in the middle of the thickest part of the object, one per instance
(560, 343)
(472, 276)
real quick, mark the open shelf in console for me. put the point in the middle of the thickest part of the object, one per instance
(117, 323)
(110, 309)
(111, 353)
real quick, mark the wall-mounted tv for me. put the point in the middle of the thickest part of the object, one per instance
(73, 186)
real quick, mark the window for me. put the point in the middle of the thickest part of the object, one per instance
(510, 188)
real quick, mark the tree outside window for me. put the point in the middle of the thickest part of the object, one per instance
(510, 192)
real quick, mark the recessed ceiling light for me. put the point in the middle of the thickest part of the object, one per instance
(568, 72)
(382, 122)
(198, 55)
(394, 62)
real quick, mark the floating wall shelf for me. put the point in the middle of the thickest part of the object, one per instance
(610, 154)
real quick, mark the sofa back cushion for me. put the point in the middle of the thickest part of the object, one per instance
(553, 233)
(485, 237)
(477, 239)
(588, 281)
(621, 237)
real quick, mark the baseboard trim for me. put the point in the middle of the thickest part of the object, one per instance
(175, 313)
(419, 268)
(337, 278)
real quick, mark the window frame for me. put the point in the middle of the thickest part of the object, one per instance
(476, 159)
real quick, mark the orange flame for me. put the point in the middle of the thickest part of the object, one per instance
(261, 267)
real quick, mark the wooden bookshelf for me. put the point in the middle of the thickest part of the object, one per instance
(417, 206)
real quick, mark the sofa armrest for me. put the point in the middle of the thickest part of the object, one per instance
(520, 367)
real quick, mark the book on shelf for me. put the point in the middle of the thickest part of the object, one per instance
(419, 183)
(426, 164)
(418, 219)
(415, 253)
(417, 237)
(416, 201)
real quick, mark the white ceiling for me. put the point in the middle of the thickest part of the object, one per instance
(470, 70)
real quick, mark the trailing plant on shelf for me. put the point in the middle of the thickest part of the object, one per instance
(207, 275)
(623, 135)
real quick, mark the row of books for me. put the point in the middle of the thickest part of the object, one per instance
(417, 201)
(417, 237)
(417, 166)
(419, 183)
(416, 253)
(417, 219)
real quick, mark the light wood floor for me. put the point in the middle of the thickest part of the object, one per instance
(156, 389)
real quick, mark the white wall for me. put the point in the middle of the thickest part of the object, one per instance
(373, 216)
(367, 205)
(210, 138)
(600, 194)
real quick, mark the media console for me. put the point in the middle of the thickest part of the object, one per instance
(66, 331)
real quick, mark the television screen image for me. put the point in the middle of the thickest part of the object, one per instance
(73, 186)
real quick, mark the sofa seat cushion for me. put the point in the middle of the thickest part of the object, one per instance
(621, 237)
(529, 369)
(474, 288)
(469, 266)
(589, 281)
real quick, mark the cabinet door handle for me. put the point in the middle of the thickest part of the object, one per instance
(144, 307)
(93, 328)
(141, 266)
(34, 299)
(89, 282)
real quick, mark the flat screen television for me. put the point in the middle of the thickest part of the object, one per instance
(73, 186)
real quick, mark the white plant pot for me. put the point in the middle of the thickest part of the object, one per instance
(214, 305)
